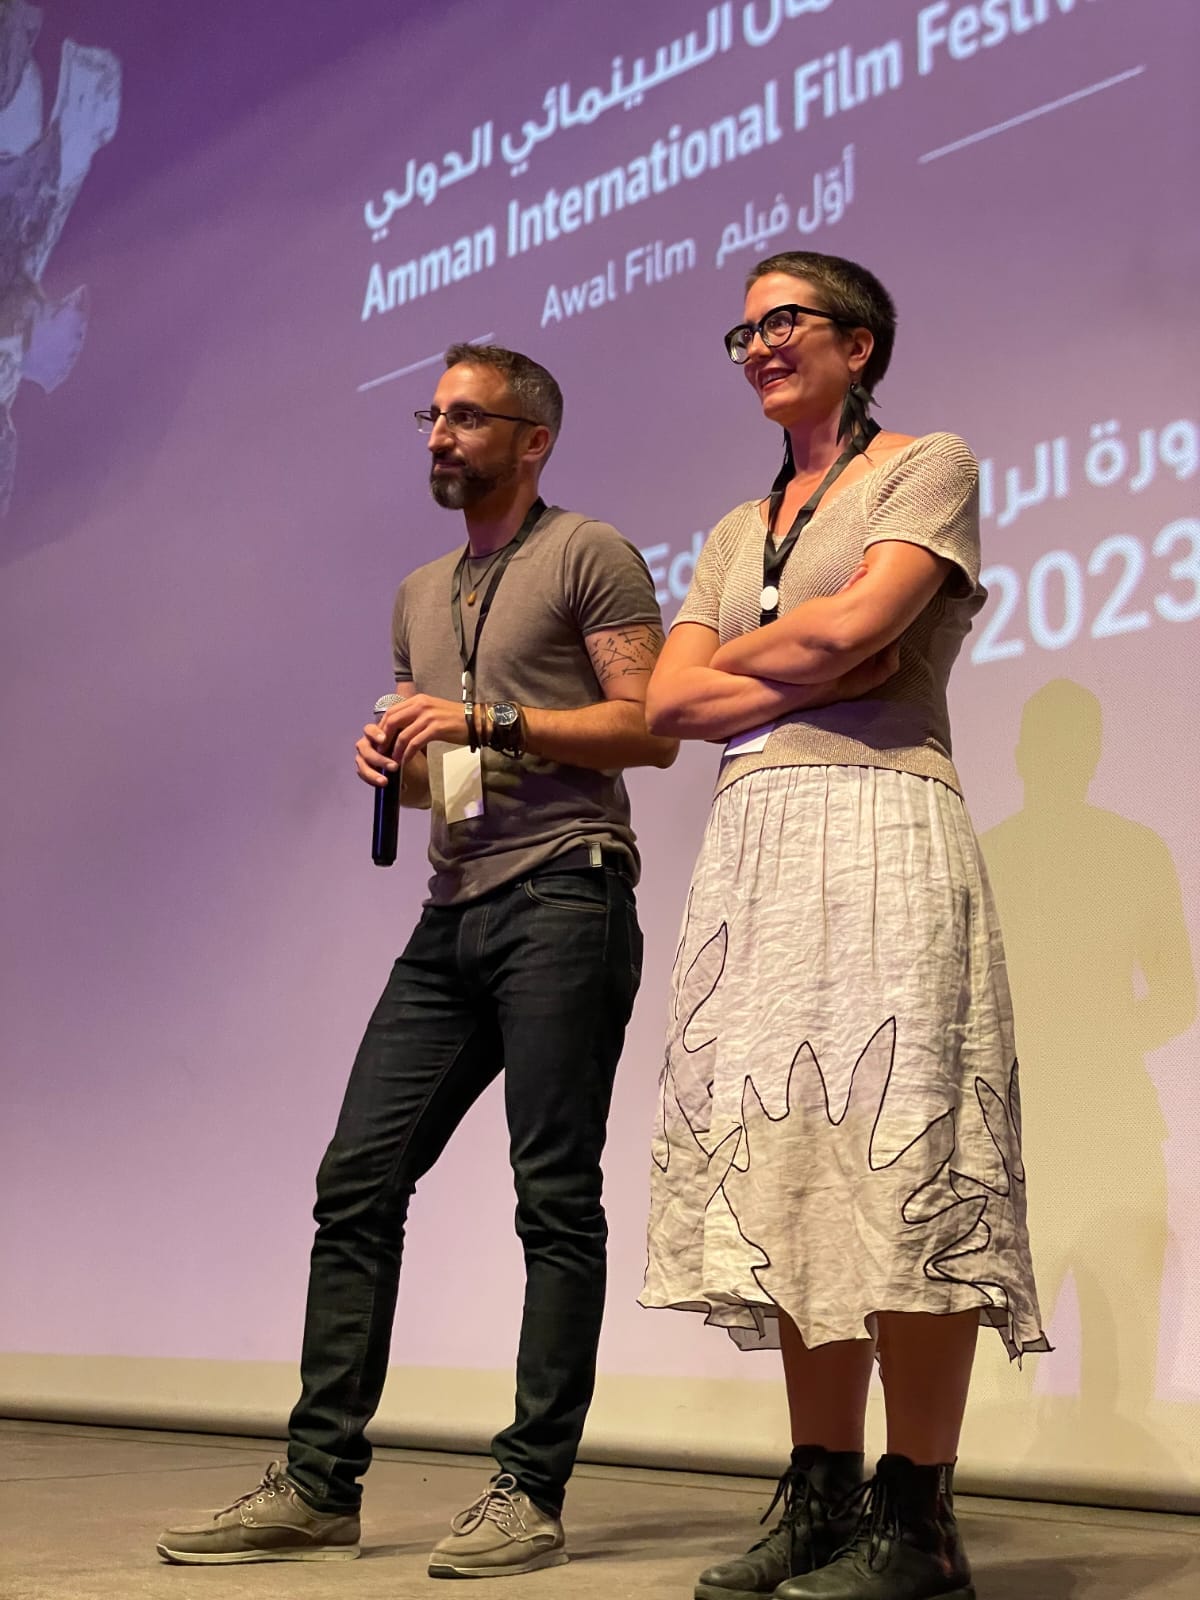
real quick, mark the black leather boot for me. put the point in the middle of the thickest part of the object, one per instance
(905, 1546)
(815, 1484)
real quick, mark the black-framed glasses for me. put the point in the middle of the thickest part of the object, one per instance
(774, 329)
(462, 418)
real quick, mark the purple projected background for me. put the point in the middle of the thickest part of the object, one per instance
(299, 208)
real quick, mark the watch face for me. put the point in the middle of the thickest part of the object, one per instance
(504, 716)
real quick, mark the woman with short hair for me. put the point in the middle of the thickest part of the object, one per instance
(837, 1165)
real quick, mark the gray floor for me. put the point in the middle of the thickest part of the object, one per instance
(79, 1508)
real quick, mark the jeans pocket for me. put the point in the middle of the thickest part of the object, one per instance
(585, 891)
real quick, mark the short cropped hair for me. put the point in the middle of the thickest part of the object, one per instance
(851, 292)
(537, 394)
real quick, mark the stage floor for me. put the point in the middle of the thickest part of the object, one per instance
(80, 1508)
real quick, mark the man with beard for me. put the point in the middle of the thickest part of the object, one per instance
(521, 663)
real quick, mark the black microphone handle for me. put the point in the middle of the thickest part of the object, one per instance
(385, 829)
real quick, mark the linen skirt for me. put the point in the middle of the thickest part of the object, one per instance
(839, 1125)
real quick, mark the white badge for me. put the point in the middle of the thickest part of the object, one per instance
(769, 598)
(462, 781)
(745, 744)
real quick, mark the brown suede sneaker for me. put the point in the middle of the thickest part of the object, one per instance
(501, 1535)
(271, 1523)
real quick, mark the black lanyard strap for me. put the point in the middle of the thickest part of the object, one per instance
(485, 605)
(775, 556)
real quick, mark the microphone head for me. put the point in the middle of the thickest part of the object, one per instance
(386, 702)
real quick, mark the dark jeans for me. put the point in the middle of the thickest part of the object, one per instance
(536, 979)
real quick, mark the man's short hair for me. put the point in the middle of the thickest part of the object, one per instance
(537, 395)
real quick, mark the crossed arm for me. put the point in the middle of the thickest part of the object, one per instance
(836, 647)
(833, 648)
(611, 733)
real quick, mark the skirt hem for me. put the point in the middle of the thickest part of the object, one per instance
(758, 1327)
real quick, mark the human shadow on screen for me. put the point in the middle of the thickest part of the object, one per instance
(1102, 973)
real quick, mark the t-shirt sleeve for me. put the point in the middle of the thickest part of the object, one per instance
(401, 660)
(606, 582)
(703, 602)
(931, 497)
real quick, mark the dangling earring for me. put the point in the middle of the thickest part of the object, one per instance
(856, 418)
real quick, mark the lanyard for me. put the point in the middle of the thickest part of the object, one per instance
(775, 556)
(485, 605)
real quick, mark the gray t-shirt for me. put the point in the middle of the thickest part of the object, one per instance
(925, 494)
(572, 577)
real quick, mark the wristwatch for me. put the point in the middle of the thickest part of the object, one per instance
(505, 732)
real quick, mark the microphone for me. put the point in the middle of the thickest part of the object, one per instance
(385, 827)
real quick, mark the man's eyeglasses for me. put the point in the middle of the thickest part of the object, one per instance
(774, 329)
(462, 419)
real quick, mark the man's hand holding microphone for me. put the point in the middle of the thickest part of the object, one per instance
(390, 757)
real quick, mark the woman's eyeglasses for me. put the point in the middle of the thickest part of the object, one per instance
(774, 329)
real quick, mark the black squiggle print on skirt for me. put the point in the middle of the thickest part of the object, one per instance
(839, 1127)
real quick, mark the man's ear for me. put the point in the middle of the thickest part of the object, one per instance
(539, 444)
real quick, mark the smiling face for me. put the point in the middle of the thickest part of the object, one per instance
(804, 381)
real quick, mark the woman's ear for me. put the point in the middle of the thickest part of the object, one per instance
(862, 342)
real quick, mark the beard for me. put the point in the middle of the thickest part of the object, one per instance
(470, 485)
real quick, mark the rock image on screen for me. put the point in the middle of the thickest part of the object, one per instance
(43, 164)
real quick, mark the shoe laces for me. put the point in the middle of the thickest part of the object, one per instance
(274, 1481)
(878, 1525)
(793, 1491)
(495, 1504)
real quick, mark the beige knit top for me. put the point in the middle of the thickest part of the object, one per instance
(926, 494)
